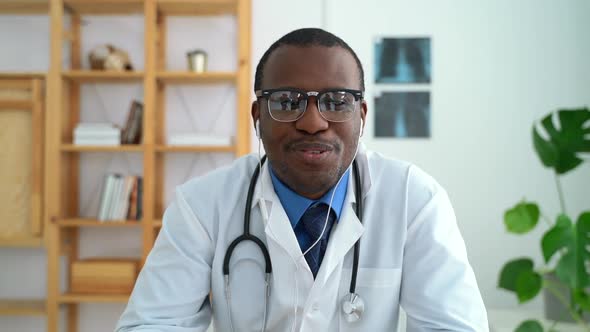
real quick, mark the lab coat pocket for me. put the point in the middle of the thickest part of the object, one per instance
(379, 290)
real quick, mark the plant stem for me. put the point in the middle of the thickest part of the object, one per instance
(550, 287)
(560, 193)
(547, 220)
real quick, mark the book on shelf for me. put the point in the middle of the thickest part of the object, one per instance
(120, 198)
(89, 133)
(199, 140)
(132, 131)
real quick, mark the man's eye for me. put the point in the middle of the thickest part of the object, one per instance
(288, 104)
(335, 105)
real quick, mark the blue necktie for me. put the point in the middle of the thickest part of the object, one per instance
(313, 222)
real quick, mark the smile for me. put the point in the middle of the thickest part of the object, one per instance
(312, 153)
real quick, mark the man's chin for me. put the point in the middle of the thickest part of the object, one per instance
(314, 184)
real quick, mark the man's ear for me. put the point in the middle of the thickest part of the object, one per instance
(255, 113)
(364, 113)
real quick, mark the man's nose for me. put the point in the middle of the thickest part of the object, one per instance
(312, 121)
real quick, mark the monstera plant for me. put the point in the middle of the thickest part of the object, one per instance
(560, 139)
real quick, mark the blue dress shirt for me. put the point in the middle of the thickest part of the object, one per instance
(295, 205)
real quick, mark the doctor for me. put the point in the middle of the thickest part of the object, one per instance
(335, 237)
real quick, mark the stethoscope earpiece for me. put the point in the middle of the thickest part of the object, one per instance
(353, 307)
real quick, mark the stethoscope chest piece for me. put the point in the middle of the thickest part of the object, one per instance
(353, 307)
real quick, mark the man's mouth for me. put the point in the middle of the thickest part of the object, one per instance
(312, 152)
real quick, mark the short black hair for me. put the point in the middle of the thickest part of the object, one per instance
(304, 38)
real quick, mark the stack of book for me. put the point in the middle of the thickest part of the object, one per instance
(121, 198)
(97, 134)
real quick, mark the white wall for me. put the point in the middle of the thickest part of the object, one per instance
(497, 66)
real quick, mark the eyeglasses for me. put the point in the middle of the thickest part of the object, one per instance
(287, 105)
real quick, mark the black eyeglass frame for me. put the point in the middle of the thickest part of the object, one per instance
(357, 94)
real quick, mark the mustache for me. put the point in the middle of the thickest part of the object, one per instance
(313, 144)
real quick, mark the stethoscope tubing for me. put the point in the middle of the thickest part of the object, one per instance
(246, 236)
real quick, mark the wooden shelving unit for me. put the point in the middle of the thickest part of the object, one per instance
(22, 104)
(104, 7)
(194, 78)
(101, 148)
(198, 7)
(22, 308)
(89, 76)
(21, 96)
(71, 298)
(24, 7)
(80, 222)
(64, 100)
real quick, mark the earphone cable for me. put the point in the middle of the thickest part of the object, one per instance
(332, 196)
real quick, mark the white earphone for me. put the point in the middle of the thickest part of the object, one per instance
(257, 126)
(362, 127)
(352, 305)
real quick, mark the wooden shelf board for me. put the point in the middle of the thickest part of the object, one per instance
(20, 7)
(181, 77)
(97, 223)
(105, 7)
(15, 104)
(195, 148)
(22, 307)
(158, 223)
(102, 148)
(92, 298)
(20, 75)
(22, 242)
(196, 7)
(97, 76)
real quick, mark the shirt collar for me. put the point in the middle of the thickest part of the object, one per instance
(295, 204)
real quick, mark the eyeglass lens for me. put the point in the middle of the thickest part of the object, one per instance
(336, 106)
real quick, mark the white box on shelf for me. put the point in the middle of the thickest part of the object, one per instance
(97, 134)
(199, 140)
(94, 141)
(92, 128)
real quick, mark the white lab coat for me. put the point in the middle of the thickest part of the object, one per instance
(411, 255)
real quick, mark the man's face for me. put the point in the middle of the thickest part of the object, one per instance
(310, 154)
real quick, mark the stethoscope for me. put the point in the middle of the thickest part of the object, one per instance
(352, 305)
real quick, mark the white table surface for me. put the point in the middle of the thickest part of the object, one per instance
(506, 320)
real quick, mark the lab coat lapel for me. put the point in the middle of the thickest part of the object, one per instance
(279, 232)
(347, 231)
(345, 234)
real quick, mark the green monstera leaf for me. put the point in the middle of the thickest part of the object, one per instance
(582, 299)
(572, 241)
(528, 285)
(519, 277)
(583, 245)
(522, 218)
(511, 271)
(558, 237)
(560, 147)
(529, 326)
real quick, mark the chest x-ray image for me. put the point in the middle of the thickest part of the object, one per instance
(402, 114)
(402, 60)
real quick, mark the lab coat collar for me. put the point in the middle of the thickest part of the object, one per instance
(342, 239)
